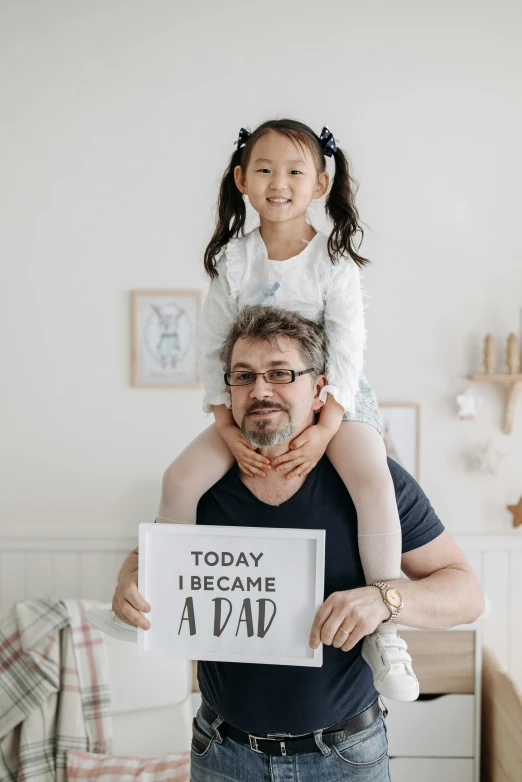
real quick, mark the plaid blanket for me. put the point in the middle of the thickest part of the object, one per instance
(54, 691)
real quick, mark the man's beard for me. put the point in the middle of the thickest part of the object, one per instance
(263, 436)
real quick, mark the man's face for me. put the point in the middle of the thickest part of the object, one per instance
(268, 414)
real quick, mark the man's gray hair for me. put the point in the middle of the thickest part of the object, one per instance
(272, 323)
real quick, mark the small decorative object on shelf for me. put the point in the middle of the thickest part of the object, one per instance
(512, 355)
(512, 378)
(516, 510)
(485, 458)
(468, 405)
(489, 355)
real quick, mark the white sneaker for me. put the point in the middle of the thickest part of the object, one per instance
(390, 663)
(107, 621)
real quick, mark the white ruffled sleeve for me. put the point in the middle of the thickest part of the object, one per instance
(344, 325)
(219, 311)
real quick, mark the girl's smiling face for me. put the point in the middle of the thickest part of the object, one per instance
(281, 178)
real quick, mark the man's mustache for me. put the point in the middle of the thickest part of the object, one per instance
(265, 406)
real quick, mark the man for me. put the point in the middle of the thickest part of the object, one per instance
(268, 722)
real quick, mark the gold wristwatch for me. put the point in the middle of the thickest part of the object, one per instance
(392, 599)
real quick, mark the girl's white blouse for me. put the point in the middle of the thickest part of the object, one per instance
(309, 284)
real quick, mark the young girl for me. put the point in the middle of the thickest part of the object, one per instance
(281, 167)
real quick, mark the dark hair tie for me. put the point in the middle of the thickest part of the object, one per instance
(327, 142)
(244, 135)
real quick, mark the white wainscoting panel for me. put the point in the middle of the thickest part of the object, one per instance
(87, 568)
(84, 568)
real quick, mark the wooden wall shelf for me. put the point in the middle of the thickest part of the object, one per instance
(514, 386)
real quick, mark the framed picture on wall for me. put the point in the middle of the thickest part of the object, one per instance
(164, 324)
(402, 434)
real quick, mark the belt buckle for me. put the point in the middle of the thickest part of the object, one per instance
(255, 747)
(253, 744)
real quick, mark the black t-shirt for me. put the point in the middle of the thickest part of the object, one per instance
(296, 699)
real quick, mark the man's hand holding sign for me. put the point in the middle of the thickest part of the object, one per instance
(359, 609)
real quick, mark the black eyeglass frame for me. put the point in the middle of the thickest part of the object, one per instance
(255, 374)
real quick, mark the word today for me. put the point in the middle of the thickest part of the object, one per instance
(225, 558)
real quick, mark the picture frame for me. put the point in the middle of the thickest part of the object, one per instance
(233, 594)
(163, 342)
(402, 434)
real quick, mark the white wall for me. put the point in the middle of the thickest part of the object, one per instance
(118, 118)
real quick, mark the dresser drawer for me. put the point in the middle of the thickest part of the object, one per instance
(441, 727)
(431, 770)
(443, 660)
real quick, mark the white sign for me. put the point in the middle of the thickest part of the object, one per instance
(235, 594)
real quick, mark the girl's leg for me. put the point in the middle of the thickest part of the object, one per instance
(359, 456)
(191, 474)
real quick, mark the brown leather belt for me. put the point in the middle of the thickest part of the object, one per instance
(285, 745)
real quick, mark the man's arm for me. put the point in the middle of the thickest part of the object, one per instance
(443, 592)
(127, 603)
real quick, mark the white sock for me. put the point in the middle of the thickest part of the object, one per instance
(381, 560)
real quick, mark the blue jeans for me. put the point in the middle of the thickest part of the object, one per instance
(363, 757)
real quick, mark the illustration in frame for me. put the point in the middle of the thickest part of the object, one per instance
(164, 324)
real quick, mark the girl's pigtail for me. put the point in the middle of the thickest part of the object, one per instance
(231, 215)
(340, 207)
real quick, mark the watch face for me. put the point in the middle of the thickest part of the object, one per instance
(394, 598)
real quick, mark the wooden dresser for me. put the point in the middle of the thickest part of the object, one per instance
(437, 738)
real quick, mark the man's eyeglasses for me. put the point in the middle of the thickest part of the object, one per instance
(275, 376)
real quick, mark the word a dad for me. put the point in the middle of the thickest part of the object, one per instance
(208, 583)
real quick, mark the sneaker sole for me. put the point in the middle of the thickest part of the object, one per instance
(105, 621)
